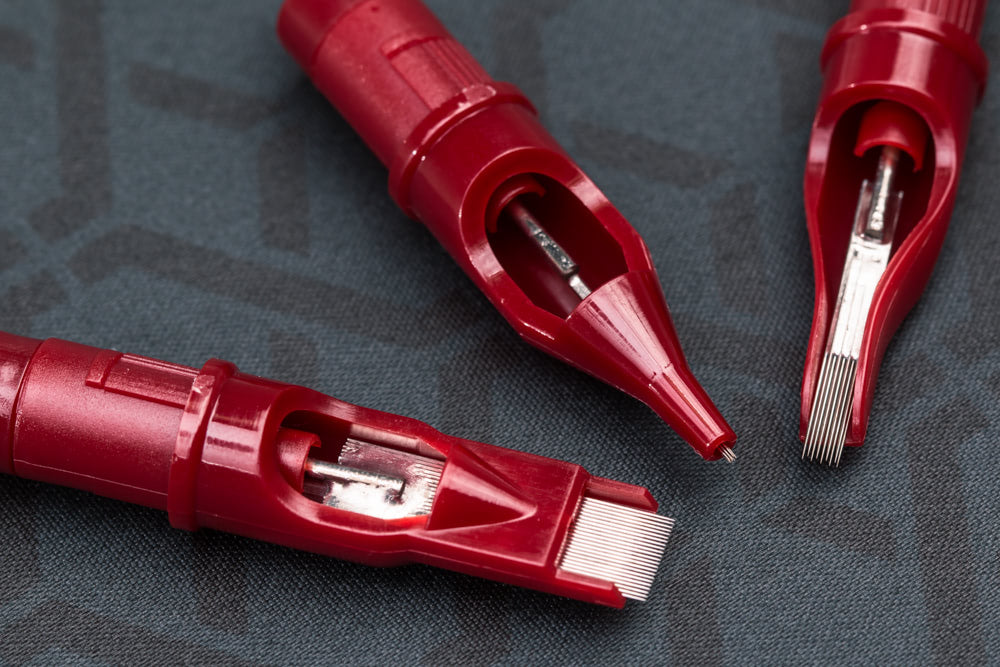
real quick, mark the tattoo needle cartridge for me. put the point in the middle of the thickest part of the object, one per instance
(469, 158)
(224, 450)
(901, 80)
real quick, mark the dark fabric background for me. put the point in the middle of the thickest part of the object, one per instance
(171, 185)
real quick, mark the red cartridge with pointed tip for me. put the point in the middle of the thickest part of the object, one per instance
(468, 157)
(901, 80)
(219, 449)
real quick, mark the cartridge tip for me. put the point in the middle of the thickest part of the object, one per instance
(617, 543)
(625, 325)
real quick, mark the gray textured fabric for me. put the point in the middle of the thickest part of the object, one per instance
(172, 186)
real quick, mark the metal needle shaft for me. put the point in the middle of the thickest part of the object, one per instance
(339, 473)
(555, 252)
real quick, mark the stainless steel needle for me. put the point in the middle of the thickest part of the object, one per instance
(867, 258)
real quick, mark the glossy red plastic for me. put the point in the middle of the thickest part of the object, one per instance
(923, 55)
(220, 449)
(459, 147)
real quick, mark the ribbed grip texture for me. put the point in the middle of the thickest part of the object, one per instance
(966, 14)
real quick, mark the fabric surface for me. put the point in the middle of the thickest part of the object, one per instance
(172, 186)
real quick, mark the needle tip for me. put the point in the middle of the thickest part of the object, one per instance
(728, 453)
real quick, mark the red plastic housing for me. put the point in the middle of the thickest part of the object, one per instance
(460, 147)
(924, 56)
(219, 449)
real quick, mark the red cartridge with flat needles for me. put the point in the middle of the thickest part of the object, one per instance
(902, 78)
(216, 448)
(468, 157)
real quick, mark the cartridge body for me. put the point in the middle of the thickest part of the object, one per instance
(904, 74)
(219, 449)
(461, 148)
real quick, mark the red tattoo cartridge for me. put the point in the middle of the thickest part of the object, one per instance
(468, 157)
(902, 78)
(219, 449)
